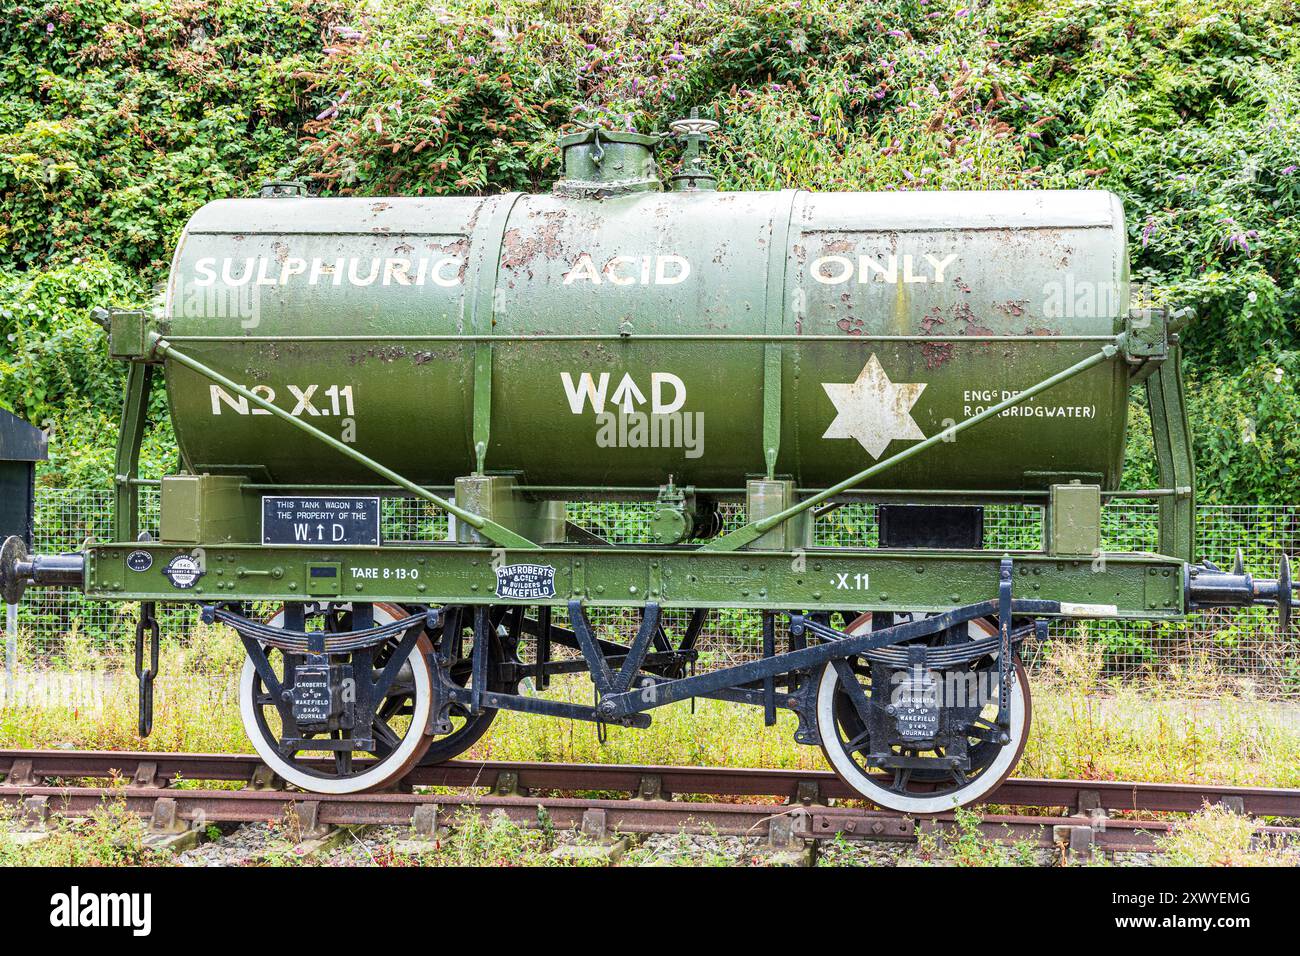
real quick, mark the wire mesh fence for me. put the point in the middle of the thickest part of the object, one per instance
(59, 628)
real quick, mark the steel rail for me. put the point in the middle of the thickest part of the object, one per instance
(201, 808)
(35, 766)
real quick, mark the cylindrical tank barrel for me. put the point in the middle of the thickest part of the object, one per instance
(616, 342)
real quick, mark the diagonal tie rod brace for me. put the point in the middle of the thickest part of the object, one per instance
(756, 529)
(499, 534)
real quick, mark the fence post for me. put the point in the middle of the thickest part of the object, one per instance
(11, 651)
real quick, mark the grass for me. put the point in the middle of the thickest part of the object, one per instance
(1188, 726)
(965, 845)
(1166, 730)
(114, 837)
(111, 836)
(1218, 837)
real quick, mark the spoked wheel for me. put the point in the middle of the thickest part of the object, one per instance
(397, 723)
(929, 784)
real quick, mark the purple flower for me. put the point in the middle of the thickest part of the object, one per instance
(1148, 231)
(49, 28)
(1287, 171)
(1240, 240)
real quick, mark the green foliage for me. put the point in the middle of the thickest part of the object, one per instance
(1190, 112)
(817, 95)
(1245, 428)
(54, 348)
(111, 836)
(54, 369)
(118, 118)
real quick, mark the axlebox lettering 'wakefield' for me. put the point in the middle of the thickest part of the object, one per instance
(787, 352)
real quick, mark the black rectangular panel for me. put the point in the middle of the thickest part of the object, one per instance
(326, 520)
(930, 526)
(17, 500)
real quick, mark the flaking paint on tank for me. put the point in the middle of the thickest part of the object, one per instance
(413, 397)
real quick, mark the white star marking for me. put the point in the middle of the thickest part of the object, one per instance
(874, 410)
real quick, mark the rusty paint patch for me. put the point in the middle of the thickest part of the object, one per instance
(472, 222)
(382, 353)
(971, 323)
(936, 354)
(456, 248)
(418, 356)
(519, 248)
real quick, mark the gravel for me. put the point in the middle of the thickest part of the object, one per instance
(245, 844)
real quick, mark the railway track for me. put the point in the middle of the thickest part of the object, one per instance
(786, 806)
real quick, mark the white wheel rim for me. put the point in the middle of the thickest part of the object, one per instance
(857, 777)
(378, 775)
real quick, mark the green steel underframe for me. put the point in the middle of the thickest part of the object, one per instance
(579, 492)
(1143, 586)
(1172, 436)
(126, 466)
(641, 336)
